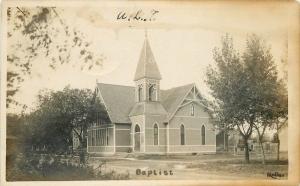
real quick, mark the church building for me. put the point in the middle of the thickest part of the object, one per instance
(145, 119)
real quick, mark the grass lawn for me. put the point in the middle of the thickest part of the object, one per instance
(202, 166)
(255, 169)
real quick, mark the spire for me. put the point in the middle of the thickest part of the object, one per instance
(147, 67)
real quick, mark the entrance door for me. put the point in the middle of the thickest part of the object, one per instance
(137, 138)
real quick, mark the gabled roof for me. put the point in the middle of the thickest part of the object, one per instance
(173, 97)
(147, 67)
(118, 101)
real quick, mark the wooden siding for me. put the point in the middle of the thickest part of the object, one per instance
(122, 132)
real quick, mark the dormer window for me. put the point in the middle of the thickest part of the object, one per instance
(152, 93)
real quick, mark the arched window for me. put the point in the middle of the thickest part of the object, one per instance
(137, 128)
(140, 92)
(203, 134)
(152, 93)
(155, 131)
(137, 138)
(192, 110)
(182, 137)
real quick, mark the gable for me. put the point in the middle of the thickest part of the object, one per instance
(192, 97)
(172, 98)
(186, 109)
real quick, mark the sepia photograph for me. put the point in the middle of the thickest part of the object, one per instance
(150, 91)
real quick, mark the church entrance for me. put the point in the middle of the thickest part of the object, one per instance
(137, 138)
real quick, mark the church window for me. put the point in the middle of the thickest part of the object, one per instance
(192, 110)
(152, 93)
(107, 137)
(203, 134)
(140, 93)
(182, 135)
(155, 134)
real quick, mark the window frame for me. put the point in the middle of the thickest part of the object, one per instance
(152, 92)
(182, 135)
(192, 109)
(155, 135)
(203, 135)
(140, 93)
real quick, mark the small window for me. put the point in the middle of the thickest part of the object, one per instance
(152, 93)
(137, 128)
(155, 131)
(192, 110)
(203, 134)
(182, 135)
(140, 93)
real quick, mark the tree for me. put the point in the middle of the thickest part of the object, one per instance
(61, 113)
(246, 88)
(40, 35)
(268, 91)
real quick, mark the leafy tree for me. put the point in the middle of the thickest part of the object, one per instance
(40, 35)
(61, 113)
(246, 88)
(17, 133)
(229, 87)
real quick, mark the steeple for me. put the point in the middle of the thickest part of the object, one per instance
(147, 85)
(147, 67)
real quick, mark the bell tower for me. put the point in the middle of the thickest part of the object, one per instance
(147, 109)
(147, 76)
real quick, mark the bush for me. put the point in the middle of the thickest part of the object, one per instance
(36, 167)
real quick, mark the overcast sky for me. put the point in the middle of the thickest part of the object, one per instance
(182, 37)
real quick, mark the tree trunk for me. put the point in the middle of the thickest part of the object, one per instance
(247, 157)
(278, 149)
(278, 144)
(263, 152)
(81, 151)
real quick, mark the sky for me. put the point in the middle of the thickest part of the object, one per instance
(181, 35)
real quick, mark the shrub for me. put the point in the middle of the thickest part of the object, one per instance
(36, 167)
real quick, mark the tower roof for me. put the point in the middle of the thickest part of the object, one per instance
(147, 67)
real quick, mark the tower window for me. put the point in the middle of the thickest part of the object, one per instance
(152, 93)
(140, 93)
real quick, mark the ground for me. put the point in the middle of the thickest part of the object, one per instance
(212, 166)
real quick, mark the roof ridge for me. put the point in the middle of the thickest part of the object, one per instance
(178, 86)
(116, 85)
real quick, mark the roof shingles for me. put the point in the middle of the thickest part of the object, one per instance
(120, 101)
(147, 67)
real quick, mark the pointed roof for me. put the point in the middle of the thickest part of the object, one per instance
(118, 100)
(173, 97)
(120, 103)
(147, 67)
